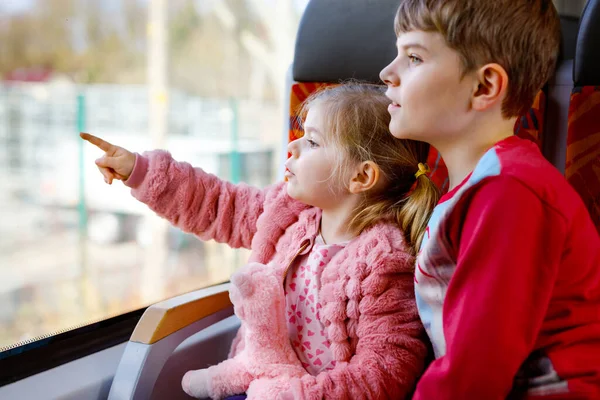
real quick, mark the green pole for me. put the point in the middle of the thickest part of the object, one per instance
(235, 155)
(81, 208)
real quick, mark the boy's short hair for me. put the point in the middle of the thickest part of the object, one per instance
(523, 36)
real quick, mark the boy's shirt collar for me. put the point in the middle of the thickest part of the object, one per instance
(507, 142)
(451, 193)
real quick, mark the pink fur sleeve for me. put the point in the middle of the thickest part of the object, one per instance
(195, 201)
(391, 349)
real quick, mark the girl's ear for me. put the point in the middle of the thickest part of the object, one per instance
(364, 178)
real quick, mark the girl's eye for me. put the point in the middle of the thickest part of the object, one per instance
(414, 59)
(312, 143)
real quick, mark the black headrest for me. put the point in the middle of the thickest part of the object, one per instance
(343, 39)
(569, 27)
(337, 42)
(586, 67)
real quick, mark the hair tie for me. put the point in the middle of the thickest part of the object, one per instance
(423, 169)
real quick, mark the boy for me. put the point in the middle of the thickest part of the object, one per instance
(508, 277)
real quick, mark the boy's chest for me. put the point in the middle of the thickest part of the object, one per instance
(434, 268)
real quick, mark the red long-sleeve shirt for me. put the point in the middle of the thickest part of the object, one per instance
(508, 284)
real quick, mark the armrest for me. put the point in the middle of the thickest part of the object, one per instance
(162, 328)
(164, 318)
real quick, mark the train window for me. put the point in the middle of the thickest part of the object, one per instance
(203, 79)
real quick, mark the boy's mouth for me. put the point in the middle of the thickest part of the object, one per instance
(393, 106)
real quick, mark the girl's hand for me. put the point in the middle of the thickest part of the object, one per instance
(117, 162)
(275, 388)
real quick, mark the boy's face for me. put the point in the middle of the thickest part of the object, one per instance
(430, 101)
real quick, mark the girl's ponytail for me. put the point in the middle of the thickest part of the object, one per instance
(414, 212)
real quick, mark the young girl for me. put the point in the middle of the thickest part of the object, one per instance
(341, 230)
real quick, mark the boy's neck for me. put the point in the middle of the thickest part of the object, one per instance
(461, 155)
(334, 222)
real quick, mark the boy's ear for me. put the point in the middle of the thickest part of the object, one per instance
(364, 178)
(492, 85)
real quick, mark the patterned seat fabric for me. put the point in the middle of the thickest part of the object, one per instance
(583, 147)
(531, 125)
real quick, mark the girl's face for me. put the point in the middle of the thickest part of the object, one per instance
(311, 169)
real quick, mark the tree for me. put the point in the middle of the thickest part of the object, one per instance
(224, 48)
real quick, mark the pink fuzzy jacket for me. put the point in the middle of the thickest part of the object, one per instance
(367, 291)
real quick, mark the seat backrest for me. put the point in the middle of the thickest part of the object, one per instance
(582, 167)
(336, 42)
(558, 96)
(546, 121)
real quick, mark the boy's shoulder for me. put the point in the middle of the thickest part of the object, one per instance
(519, 161)
(514, 190)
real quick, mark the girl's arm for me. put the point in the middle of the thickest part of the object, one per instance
(195, 201)
(390, 352)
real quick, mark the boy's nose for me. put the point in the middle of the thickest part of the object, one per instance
(388, 76)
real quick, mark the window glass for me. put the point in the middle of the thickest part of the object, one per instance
(201, 78)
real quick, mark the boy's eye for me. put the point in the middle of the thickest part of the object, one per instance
(414, 59)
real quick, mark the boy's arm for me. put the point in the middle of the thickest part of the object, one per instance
(509, 248)
(195, 201)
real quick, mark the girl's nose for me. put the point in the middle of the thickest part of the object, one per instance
(294, 148)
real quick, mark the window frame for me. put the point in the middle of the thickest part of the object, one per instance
(41, 355)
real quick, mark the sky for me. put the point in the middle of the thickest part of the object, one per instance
(8, 7)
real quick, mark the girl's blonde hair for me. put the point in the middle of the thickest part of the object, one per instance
(357, 123)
